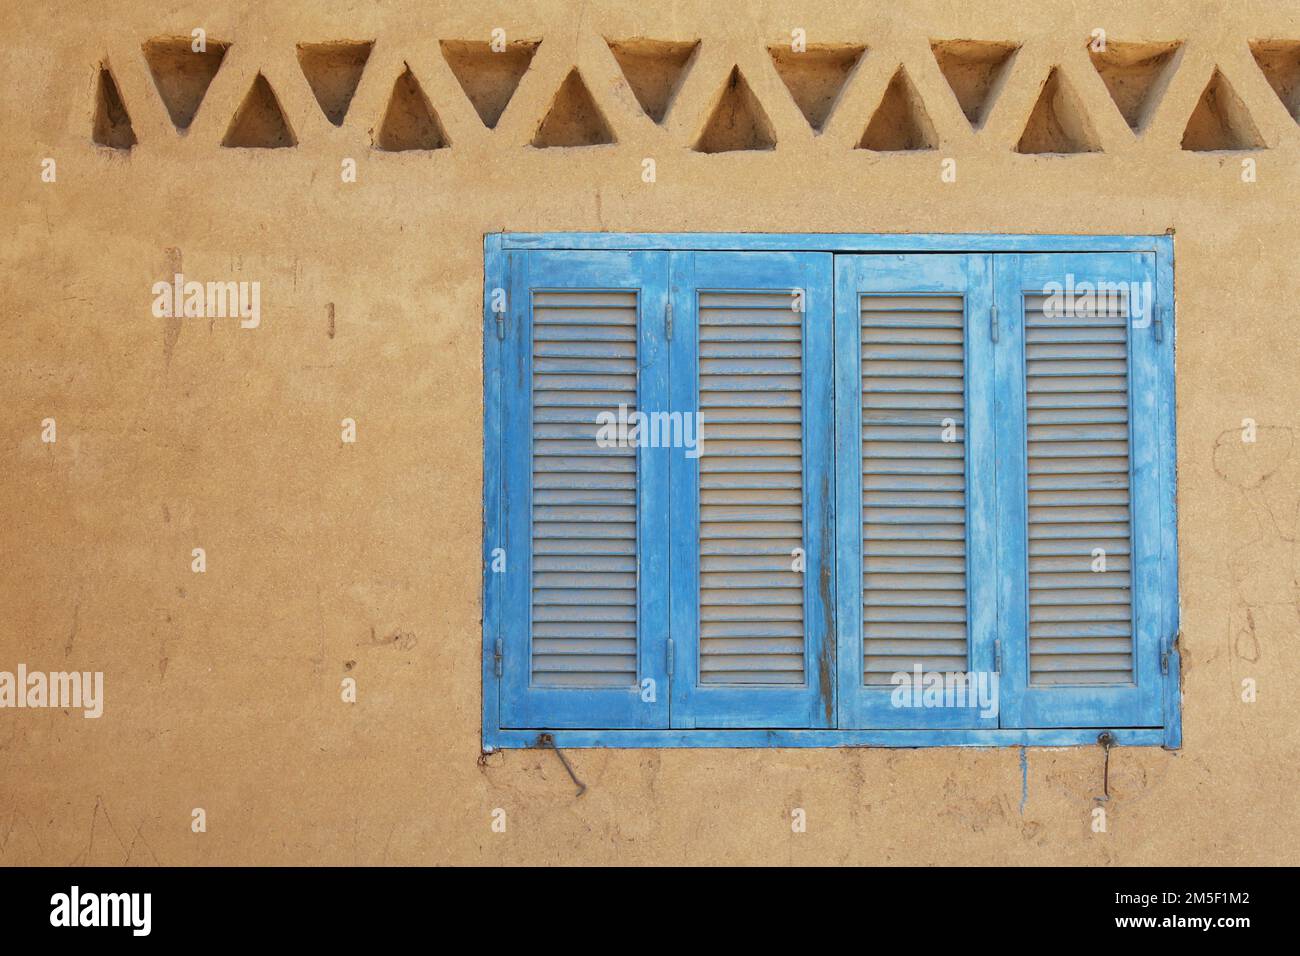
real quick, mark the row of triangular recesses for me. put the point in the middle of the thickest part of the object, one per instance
(1135, 74)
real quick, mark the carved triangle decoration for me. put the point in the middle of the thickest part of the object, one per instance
(1279, 60)
(574, 119)
(900, 123)
(976, 71)
(737, 121)
(1220, 120)
(112, 124)
(1058, 123)
(816, 76)
(182, 74)
(409, 120)
(333, 71)
(259, 123)
(1136, 76)
(654, 70)
(489, 76)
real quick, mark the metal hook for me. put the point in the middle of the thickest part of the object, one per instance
(546, 740)
(1107, 740)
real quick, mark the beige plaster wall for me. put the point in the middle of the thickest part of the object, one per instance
(328, 560)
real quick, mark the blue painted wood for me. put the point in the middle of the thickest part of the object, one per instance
(1025, 703)
(587, 719)
(1060, 737)
(1168, 504)
(863, 705)
(495, 276)
(747, 279)
(830, 242)
(525, 702)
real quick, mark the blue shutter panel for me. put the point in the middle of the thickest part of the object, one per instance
(1080, 491)
(915, 523)
(752, 357)
(584, 625)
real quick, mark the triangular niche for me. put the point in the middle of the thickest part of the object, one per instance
(489, 77)
(182, 75)
(1220, 120)
(654, 70)
(333, 71)
(112, 125)
(900, 123)
(409, 121)
(574, 119)
(816, 76)
(1280, 62)
(1136, 76)
(259, 123)
(737, 121)
(1058, 123)
(976, 71)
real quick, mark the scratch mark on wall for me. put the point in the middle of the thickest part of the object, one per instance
(72, 634)
(1024, 779)
(171, 324)
(1264, 573)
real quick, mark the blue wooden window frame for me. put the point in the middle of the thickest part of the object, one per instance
(996, 267)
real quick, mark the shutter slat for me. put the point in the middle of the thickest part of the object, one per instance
(1076, 373)
(751, 489)
(584, 503)
(913, 485)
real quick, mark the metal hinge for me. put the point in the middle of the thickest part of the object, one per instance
(1164, 662)
(501, 325)
(993, 323)
(997, 656)
(668, 319)
(497, 657)
(670, 657)
(1158, 325)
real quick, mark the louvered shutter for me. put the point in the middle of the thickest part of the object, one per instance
(752, 557)
(1079, 373)
(915, 483)
(584, 632)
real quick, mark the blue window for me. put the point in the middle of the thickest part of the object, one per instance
(766, 490)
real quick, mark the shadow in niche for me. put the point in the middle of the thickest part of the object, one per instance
(816, 77)
(900, 123)
(489, 78)
(333, 71)
(182, 75)
(112, 124)
(409, 121)
(737, 122)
